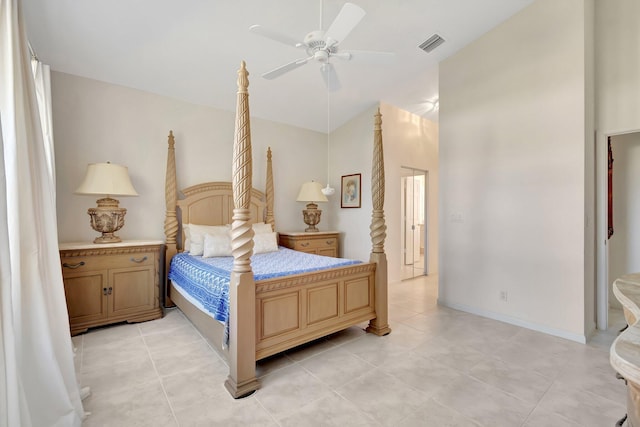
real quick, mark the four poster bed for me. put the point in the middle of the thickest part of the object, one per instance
(267, 313)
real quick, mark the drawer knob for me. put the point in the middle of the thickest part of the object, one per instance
(304, 244)
(329, 242)
(139, 260)
(66, 265)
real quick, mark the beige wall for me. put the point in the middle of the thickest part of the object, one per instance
(513, 126)
(409, 140)
(412, 142)
(618, 65)
(98, 122)
(350, 152)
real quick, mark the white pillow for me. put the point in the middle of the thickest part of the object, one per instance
(195, 236)
(217, 245)
(261, 228)
(187, 241)
(265, 242)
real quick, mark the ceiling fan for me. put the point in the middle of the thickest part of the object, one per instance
(322, 46)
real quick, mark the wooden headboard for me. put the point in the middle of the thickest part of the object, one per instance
(211, 203)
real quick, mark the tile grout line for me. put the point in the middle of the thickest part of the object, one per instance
(337, 393)
(164, 391)
(540, 401)
(478, 424)
(267, 411)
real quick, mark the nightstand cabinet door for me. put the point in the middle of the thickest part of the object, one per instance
(321, 243)
(85, 294)
(132, 291)
(112, 282)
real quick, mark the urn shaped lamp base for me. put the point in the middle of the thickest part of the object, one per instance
(311, 217)
(107, 218)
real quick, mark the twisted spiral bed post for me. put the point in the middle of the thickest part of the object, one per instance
(270, 219)
(379, 325)
(241, 232)
(242, 379)
(170, 220)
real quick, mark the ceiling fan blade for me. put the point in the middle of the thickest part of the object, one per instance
(345, 56)
(274, 35)
(330, 77)
(350, 15)
(370, 56)
(270, 75)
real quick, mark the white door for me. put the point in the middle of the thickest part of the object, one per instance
(413, 207)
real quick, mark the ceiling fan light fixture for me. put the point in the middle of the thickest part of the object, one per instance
(328, 190)
(321, 56)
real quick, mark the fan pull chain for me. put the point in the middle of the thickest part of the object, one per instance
(328, 190)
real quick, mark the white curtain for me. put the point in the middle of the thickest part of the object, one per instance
(42, 77)
(38, 384)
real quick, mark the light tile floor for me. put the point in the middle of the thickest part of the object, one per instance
(439, 367)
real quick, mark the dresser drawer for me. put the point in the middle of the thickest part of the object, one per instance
(87, 263)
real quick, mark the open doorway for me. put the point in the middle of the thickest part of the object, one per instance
(624, 242)
(618, 230)
(413, 200)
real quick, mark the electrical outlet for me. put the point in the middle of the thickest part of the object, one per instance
(456, 217)
(503, 296)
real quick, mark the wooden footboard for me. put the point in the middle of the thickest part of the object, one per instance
(296, 309)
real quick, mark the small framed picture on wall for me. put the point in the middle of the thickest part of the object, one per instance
(350, 194)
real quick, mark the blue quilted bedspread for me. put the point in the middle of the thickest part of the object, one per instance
(207, 279)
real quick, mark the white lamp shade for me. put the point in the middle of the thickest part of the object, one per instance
(311, 192)
(107, 179)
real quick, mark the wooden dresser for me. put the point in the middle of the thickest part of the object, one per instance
(109, 283)
(325, 243)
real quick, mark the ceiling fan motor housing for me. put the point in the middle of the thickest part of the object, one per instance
(317, 46)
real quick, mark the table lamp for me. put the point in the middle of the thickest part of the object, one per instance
(311, 192)
(109, 180)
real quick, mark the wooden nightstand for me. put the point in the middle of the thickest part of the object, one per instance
(114, 282)
(325, 243)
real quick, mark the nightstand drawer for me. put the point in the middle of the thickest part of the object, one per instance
(314, 244)
(87, 263)
(323, 243)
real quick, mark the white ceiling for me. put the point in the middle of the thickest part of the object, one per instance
(191, 50)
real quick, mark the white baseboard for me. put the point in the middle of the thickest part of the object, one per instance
(582, 339)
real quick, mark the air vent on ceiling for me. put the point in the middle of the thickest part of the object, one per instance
(431, 43)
